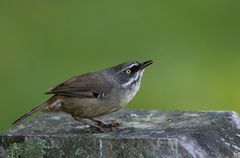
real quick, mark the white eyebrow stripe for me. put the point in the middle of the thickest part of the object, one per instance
(134, 64)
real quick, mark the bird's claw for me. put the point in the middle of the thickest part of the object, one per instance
(106, 127)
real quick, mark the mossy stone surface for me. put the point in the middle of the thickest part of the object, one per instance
(144, 133)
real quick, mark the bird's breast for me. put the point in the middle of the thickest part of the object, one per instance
(129, 94)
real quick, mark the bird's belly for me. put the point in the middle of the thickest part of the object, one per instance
(86, 107)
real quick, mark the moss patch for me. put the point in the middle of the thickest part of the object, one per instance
(33, 147)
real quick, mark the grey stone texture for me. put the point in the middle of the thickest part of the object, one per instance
(144, 134)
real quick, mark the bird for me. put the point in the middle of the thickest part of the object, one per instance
(91, 95)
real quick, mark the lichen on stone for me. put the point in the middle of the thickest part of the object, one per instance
(32, 147)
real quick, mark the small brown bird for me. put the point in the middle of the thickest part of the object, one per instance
(91, 95)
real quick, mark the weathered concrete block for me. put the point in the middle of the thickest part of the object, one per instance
(163, 134)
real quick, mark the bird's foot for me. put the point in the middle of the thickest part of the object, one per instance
(113, 123)
(91, 124)
(99, 125)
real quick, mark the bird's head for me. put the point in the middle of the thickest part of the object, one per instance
(129, 73)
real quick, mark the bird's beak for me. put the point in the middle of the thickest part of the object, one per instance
(143, 65)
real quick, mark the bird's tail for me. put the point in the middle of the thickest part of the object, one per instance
(23, 117)
(46, 105)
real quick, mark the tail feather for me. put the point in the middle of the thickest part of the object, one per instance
(38, 108)
(52, 104)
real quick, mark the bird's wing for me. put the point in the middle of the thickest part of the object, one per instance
(90, 85)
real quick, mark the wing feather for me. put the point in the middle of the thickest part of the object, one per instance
(83, 86)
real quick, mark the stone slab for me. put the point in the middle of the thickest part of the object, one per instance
(144, 133)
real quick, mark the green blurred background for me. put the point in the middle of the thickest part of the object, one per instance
(195, 46)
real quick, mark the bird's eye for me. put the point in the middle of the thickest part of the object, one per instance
(128, 71)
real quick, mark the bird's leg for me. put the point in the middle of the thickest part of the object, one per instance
(98, 121)
(106, 125)
(90, 123)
